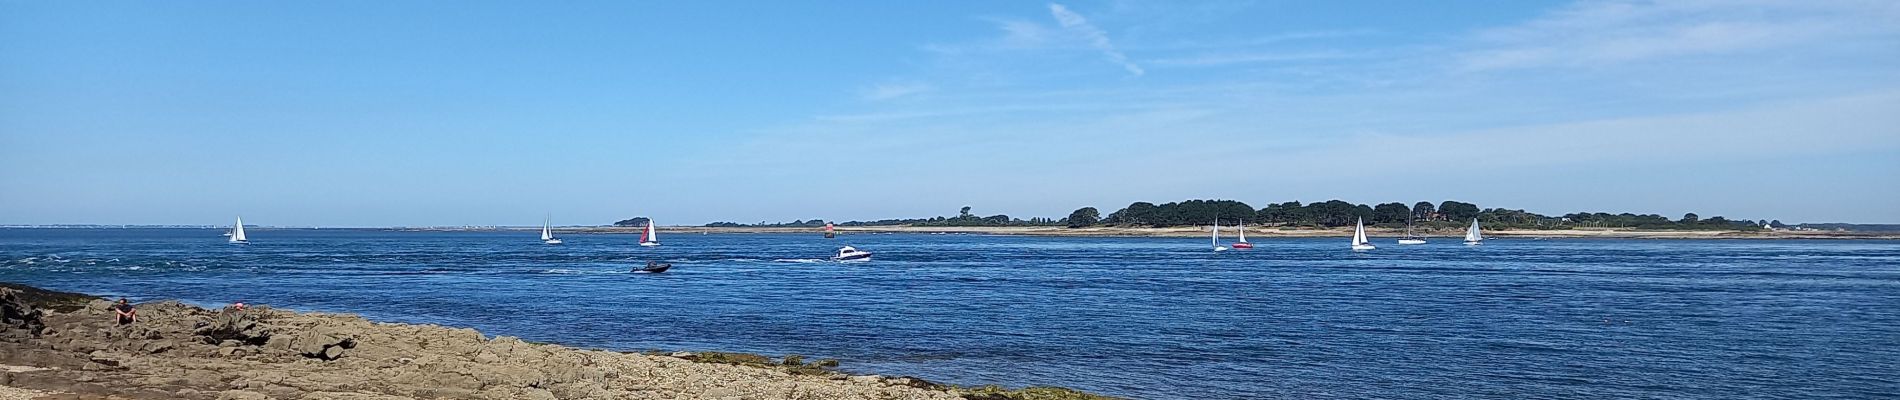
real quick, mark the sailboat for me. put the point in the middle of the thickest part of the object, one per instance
(1409, 237)
(1359, 241)
(828, 233)
(1242, 244)
(1216, 238)
(1473, 236)
(547, 232)
(649, 238)
(237, 232)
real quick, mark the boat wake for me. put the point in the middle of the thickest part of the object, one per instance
(801, 260)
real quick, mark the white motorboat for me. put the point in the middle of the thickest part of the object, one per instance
(849, 253)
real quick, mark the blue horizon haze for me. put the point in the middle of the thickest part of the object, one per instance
(374, 114)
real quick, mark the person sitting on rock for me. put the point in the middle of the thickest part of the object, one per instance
(126, 314)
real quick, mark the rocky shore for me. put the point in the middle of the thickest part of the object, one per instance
(67, 346)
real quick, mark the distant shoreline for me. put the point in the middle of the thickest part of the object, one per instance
(1202, 231)
(1122, 232)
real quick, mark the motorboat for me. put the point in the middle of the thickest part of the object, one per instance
(849, 253)
(653, 267)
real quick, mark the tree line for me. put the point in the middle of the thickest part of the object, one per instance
(1330, 213)
(1336, 213)
(963, 218)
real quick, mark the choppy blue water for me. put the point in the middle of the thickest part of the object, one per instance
(1134, 317)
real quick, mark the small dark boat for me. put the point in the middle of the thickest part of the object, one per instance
(654, 267)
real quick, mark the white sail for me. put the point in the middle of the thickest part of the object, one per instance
(1473, 235)
(547, 229)
(1359, 233)
(650, 237)
(1243, 231)
(1215, 238)
(237, 231)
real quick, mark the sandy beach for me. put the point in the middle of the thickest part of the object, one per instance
(66, 346)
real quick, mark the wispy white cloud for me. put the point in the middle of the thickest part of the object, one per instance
(887, 91)
(1826, 126)
(1255, 41)
(1604, 33)
(1095, 36)
(1365, 108)
(1219, 59)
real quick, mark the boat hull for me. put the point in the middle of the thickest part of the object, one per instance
(649, 244)
(1363, 247)
(552, 241)
(1411, 241)
(1243, 245)
(1472, 243)
(853, 258)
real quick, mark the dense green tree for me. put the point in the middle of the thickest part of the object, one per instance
(1689, 219)
(1457, 211)
(964, 213)
(1330, 213)
(1390, 213)
(1281, 213)
(1515, 218)
(1084, 216)
(1423, 211)
(635, 221)
(1137, 213)
(1191, 212)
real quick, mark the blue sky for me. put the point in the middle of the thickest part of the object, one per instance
(486, 113)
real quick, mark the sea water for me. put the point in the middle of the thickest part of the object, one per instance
(1155, 318)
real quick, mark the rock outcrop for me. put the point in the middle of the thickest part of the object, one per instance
(18, 320)
(177, 351)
